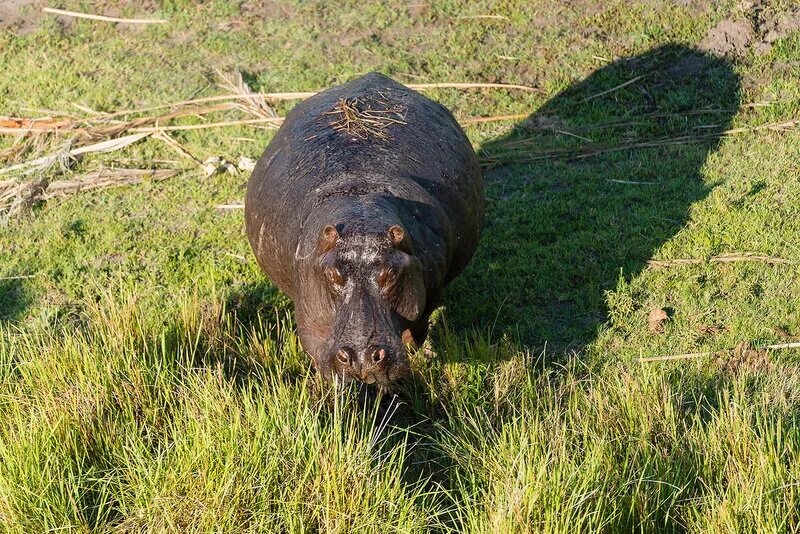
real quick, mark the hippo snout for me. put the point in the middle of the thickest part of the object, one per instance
(370, 364)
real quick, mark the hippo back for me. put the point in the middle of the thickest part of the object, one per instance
(369, 137)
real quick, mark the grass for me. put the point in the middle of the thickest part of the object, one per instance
(150, 376)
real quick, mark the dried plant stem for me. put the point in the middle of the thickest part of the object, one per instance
(149, 130)
(723, 258)
(301, 95)
(104, 179)
(687, 356)
(494, 118)
(18, 277)
(693, 355)
(615, 88)
(75, 14)
(104, 146)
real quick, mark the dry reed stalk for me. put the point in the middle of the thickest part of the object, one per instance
(251, 103)
(104, 18)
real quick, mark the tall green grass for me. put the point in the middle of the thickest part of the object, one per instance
(204, 423)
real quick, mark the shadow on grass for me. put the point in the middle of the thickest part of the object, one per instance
(583, 192)
(14, 299)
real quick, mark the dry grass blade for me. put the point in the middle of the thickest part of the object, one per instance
(104, 18)
(250, 102)
(104, 179)
(18, 147)
(523, 150)
(104, 146)
(173, 144)
(21, 196)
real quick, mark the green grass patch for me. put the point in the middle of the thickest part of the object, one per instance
(150, 376)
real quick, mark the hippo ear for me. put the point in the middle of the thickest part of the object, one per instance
(398, 236)
(411, 301)
(328, 238)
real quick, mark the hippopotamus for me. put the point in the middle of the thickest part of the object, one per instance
(367, 202)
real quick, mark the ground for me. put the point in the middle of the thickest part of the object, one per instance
(150, 376)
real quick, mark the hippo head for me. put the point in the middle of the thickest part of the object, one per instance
(375, 286)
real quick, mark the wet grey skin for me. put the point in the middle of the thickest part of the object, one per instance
(363, 221)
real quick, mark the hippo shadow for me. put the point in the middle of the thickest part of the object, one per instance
(583, 192)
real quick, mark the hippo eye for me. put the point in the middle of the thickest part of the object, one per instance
(334, 276)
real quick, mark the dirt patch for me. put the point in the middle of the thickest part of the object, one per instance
(758, 29)
(266, 9)
(731, 37)
(744, 358)
(22, 16)
(417, 9)
(777, 26)
(349, 38)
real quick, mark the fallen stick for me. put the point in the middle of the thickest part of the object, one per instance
(149, 130)
(779, 346)
(723, 258)
(687, 356)
(107, 127)
(101, 17)
(494, 118)
(630, 182)
(18, 277)
(237, 206)
(301, 95)
(692, 355)
(491, 17)
(616, 88)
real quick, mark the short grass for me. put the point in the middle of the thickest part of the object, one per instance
(151, 379)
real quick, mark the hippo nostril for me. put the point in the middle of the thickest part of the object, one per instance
(378, 355)
(343, 356)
